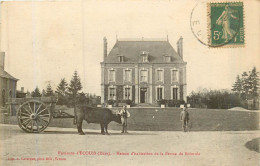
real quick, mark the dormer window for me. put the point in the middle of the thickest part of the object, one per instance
(144, 56)
(167, 58)
(120, 58)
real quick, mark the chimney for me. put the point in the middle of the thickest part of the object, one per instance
(2, 60)
(180, 47)
(22, 89)
(105, 47)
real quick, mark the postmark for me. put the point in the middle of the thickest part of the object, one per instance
(217, 24)
(225, 24)
(198, 22)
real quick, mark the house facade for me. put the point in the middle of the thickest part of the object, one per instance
(143, 71)
(7, 83)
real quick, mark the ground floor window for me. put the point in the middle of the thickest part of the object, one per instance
(112, 93)
(127, 93)
(10, 94)
(175, 93)
(159, 93)
(3, 97)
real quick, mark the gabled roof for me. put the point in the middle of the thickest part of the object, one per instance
(4, 74)
(131, 50)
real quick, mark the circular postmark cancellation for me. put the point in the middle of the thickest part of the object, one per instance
(218, 24)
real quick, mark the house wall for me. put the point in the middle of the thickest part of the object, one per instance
(9, 86)
(151, 84)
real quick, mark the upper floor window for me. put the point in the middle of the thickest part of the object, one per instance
(175, 75)
(111, 75)
(127, 75)
(159, 75)
(143, 75)
(167, 58)
(144, 56)
(121, 58)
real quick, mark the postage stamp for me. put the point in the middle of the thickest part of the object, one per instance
(226, 24)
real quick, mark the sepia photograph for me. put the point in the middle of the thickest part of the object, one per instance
(161, 82)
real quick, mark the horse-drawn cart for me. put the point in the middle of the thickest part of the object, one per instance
(35, 114)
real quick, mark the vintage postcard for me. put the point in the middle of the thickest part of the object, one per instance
(161, 82)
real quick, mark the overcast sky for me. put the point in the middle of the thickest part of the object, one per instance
(46, 41)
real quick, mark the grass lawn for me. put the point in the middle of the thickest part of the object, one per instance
(157, 119)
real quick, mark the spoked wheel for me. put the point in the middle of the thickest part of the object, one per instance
(33, 116)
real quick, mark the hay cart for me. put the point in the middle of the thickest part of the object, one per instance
(35, 114)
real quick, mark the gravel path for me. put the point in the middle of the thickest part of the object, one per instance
(65, 147)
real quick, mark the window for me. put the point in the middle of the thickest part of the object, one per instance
(10, 94)
(111, 75)
(144, 56)
(143, 75)
(121, 58)
(174, 75)
(127, 76)
(167, 58)
(159, 93)
(112, 93)
(127, 95)
(175, 93)
(159, 75)
(3, 97)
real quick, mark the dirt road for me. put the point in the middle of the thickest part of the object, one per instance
(59, 146)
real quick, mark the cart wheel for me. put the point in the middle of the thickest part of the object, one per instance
(33, 116)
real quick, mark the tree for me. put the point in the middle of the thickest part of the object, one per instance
(28, 94)
(237, 86)
(62, 91)
(73, 89)
(245, 86)
(36, 92)
(49, 91)
(43, 92)
(82, 99)
(253, 83)
(74, 86)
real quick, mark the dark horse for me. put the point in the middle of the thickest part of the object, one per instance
(103, 116)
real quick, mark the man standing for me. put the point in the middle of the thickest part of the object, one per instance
(124, 115)
(184, 117)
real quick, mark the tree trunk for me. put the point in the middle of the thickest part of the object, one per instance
(75, 113)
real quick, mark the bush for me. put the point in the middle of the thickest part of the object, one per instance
(175, 103)
(128, 102)
(111, 102)
(162, 101)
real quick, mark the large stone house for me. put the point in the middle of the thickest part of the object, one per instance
(143, 71)
(7, 83)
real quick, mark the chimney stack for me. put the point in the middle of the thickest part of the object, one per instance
(180, 47)
(105, 47)
(2, 60)
(22, 89)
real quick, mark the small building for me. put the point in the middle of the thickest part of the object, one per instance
(143, 71)
(7, 83)
(21, 93)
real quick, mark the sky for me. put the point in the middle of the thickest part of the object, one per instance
(46, 41)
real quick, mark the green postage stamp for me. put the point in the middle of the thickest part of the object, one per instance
(226, 24)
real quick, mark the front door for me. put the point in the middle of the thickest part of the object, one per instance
(143, 94)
